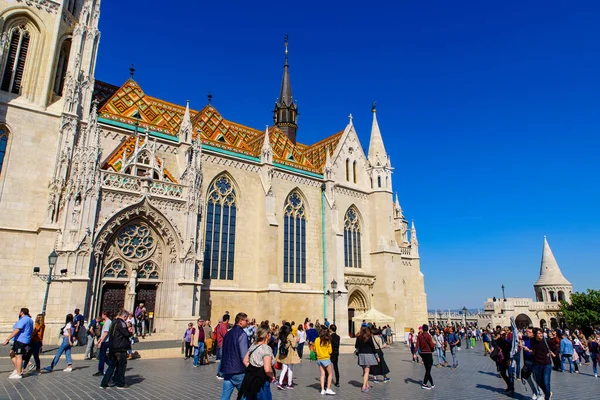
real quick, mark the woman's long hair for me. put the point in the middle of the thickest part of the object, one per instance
(325, 336)
(284, 332)
(40, 320)
(69, 319)
(365, 334)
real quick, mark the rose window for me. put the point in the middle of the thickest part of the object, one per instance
(135, 241)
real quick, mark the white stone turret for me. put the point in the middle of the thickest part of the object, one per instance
(185, 129)
(380, 170)
(551, 285)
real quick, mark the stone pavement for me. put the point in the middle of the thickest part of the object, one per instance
(176, 379)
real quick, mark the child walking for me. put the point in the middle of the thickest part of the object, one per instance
(323, 349)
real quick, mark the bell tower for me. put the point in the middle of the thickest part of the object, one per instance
(285, 115)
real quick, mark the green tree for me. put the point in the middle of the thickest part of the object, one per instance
(584, 309)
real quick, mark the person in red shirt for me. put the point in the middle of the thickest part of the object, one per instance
(426, 347)
(221, 331)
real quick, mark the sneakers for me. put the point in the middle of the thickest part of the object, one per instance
(13, 373)
(219, 376)
(365, 389)
(99, 374)
(330, 392)
(386, 380)
(122, 387)
(375, 380)
(280, 386)
(102, 387)
(595, 375)
(68, 369)
(323, 392)
(289, 387)
(30, 367)
(534, 397)
(15, 376)
(432, 386)
(425, 387)
(337, 384)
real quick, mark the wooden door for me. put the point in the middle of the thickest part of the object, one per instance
(146, 293)
(113, 298)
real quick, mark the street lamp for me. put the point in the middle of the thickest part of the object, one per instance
(52, 259)
(464, 311)
(503, 295)
(334, 294)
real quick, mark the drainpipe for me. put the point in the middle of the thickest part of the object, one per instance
(324, 251)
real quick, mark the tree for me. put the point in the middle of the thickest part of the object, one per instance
(584, 309)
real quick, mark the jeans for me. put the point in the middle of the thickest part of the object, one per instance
(517, 359)
(336, 369)
(542, 377)
(428, 362)
(263, 394)
(198, 351)
(117, 367)
(300, 349)
(454, 351)
(219, 356)
(440, 355)
(89, 350)
(594, 362)
(562, 362)
(535, 389)
(188, 350)
(34, 351)
(102, 357)
(230, 382)
(507, 374)
(65, 347)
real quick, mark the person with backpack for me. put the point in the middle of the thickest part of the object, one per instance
(501, 355)
(94, 331)
(426, 348)
(259, 370)
(542, 356)
(67, 335)
(486, 343)
(220, 332)
(118, 345)
(529, 363)
(287, 356)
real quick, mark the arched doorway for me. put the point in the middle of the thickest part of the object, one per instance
(357, 304)
(131, 269)
(523, 321)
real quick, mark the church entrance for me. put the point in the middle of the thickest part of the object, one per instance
(357, 304)
(113, 298)
(523, 321)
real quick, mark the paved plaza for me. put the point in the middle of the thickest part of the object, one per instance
(174, 378)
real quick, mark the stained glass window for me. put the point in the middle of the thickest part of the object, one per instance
(115, 269)
(221, 212)
(135, 241)
(294, 240)
(352, 248)
(148, 271)
(3, 146)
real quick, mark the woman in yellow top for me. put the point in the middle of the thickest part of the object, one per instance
(35, 345)
(323, 349)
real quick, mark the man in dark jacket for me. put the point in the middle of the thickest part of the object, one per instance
(117, 351)
(335, 353)
(235, 347)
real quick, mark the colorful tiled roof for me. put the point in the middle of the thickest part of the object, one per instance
(122, 105)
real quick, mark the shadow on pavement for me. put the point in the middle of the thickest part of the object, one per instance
(502, 392)
(353, 383)
(411, 380)
(489, 373)
(134, 379)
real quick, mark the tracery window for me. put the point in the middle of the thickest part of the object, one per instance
(294, 240)
(3, 146)
(221, 213)
(135, 241)
(352, 247)
(14, 65)
(61, 67)
(116, 269)
(148, 271)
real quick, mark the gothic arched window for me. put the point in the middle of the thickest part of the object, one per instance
(348, 170)
(294, 240)
(14, 64)
(219, 249)
(116, 269)
(354, 171)
(352, 251)
(3, 146)
(61, 67)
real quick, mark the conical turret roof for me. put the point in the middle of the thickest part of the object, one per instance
(549, 271)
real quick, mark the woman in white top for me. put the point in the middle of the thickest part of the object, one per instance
(65, 345)
(301, 340)
(259, 371)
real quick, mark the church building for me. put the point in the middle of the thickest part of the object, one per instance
(177, 206)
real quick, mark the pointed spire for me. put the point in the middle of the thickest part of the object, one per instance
(186, 129)
(398, 208)
(350, 118)
(413, 234)
(376, 148)
(550, 273)
(267, 151)
(286, 111)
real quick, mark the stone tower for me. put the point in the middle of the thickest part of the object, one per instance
(551, 286)
(285, 114)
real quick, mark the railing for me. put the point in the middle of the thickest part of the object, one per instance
(167, 189)
(121, 181)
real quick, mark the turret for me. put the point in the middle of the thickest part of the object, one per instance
(380, 169)
(551, 285)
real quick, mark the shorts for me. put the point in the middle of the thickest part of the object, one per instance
(19, 348)
(323, 363)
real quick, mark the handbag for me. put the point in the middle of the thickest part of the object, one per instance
(278, 365)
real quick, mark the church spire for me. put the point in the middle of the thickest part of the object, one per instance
(377, 152)
(413, 234)
(286, 111)
(550, 273)
(185, 129)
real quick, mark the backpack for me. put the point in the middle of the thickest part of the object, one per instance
(98, 330)
(525, 372)
(283, 349)
(497, 355)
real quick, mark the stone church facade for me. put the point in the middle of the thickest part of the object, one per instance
(183, 209)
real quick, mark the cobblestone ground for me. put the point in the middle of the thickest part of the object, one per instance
(175, 379)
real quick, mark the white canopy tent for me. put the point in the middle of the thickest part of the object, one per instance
(375, 316)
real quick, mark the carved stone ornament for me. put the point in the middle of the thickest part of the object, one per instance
(46, 5)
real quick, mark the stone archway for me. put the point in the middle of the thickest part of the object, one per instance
(523, 321)
(358, 303)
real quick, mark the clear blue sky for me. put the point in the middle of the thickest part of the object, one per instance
(490, 112)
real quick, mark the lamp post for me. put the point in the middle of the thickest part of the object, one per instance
(464, 311)
(334, 294)
(52, 258)
(503, 295)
